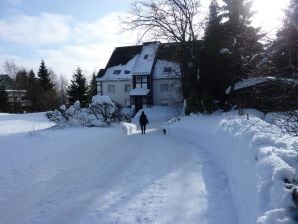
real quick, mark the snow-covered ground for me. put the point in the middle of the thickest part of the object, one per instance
(206, 169)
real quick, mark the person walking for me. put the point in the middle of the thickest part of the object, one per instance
(143, 122)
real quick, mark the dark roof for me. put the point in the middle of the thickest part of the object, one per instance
(100, 73)
(120, 56)
(6, 81)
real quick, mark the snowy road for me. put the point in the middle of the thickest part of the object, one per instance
(91, 176)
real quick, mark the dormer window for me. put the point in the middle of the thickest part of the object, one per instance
(116, 72)
(126, 72)
(167, 69)
(146, 56)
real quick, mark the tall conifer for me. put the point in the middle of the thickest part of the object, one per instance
(285, 48)
(78, 89)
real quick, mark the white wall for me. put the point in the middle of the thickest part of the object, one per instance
(170, 97)
(120, 95)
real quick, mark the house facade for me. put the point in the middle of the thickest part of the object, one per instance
(140, 76)
(17, 99)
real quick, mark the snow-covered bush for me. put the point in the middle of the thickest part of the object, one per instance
(101, 112)
(74, 115)
(103, 108)
(59, 115)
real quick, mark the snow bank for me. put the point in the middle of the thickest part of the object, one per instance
(22, 123)
(255, 156)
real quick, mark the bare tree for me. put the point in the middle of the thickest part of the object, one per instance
(288, 122)
(11, 68)
(175, 21)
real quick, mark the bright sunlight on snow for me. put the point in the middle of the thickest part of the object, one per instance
(212, 169)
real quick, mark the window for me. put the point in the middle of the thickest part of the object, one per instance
(127, 88)
(167, 69)
(116, 72)
(138, 79)
(146, 56)
(144, 79)
(164, 87)
(111, 88)
(126, 72)
(141, 82)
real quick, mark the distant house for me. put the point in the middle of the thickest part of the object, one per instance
(17, 99)
(140, 76)
(267, 94)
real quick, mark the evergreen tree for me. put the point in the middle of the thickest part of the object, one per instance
(22, 80)
(229, 45)
(45, 77)
(240, 38)
(33, 91)
(78, 89)
(212, 68)
(285, 48)
(3, 99)
(92, 91)
(47, 97)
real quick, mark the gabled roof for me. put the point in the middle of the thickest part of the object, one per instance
(146, 59)
(120, 56)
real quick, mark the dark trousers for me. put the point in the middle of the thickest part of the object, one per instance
(143, 127)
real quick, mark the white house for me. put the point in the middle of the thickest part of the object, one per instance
(139, 76)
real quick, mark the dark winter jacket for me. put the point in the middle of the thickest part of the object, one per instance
(143, 119)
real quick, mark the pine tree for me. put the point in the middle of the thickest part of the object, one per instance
(240, 37)
(33, 91)
(3, 99)
(45, 78)
(78, 89)
(212, 68)
(47, 97)
(22, 80)
(285, 48)
(92, 90)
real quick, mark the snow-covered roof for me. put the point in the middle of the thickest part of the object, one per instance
(140, 60)
(139, 92)
(258, 80)
(120, 72)
(166, 69)
(15, 91)
(145, 59)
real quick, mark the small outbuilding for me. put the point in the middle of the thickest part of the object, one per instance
(267, 94)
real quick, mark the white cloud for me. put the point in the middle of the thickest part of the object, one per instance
(88, 45)
(105, 29)
(34, 31)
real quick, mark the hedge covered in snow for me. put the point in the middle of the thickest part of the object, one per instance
(100, 113)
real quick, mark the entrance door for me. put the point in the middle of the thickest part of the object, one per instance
(139, 102)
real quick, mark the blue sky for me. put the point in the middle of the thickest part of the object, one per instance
(72, 33)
